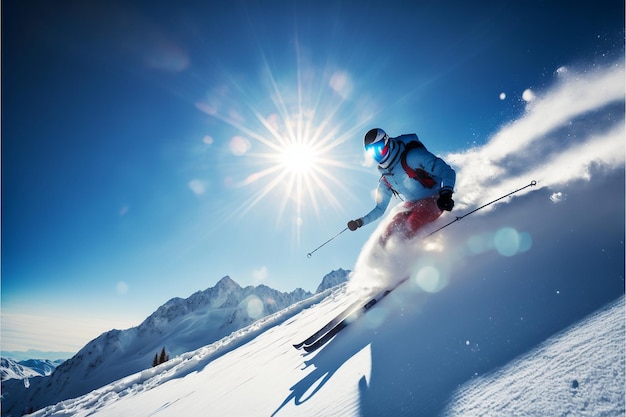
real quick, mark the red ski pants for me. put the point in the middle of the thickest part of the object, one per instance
(413, 217)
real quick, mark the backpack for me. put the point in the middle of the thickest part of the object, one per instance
(419, 174)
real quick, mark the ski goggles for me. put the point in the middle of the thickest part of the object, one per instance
(378, 150)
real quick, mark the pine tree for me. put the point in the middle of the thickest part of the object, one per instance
(162, 358)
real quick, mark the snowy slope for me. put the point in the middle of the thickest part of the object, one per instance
(580, 371)
(479, 329)
(179, 326)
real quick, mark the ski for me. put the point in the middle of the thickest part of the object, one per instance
(331, 331)
(345, 313)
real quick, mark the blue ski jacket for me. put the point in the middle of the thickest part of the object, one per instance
(411, 172)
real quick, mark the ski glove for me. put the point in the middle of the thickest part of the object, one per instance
(445, 201)
(355, 224)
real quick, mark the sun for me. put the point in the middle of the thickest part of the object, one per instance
(287, 134)
(289, 159)
(299, 158)
(298, 167)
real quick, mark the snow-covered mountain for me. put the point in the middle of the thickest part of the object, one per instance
(333, 279)
(178, 326)
(12, 369)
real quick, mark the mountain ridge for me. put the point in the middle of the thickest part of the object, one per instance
(14, 369)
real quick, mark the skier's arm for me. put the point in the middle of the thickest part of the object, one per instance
(447, 174)
(383, 197)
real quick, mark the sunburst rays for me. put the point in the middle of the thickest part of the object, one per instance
(295, 134)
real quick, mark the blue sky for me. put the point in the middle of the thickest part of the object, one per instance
(148, 150)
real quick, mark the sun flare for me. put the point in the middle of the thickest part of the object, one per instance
(299, 158)
(287, 141)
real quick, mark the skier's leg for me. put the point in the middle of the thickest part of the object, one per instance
(423, 212)
(397, 224)
(414, 216)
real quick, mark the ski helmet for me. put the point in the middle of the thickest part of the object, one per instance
(376, 143)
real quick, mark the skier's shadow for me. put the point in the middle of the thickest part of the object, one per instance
(401, 379)
(325, 364)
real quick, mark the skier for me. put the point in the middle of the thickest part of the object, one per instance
(409, 171)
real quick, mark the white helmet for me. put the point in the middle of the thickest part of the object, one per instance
(376, 143)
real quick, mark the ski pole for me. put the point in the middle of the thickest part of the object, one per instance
(532, 184)
(308, 255)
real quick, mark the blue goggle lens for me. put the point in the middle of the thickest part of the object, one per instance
(378, 150)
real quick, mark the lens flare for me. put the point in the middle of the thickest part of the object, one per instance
(254, 306)
(506, 241)
(430, 279)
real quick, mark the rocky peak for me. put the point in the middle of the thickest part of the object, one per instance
(333, 279)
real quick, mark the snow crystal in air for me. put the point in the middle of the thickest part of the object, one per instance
(561, 71)
(528, 95)
(557, 197)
